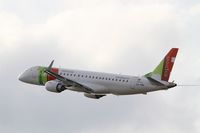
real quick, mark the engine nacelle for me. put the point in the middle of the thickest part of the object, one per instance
(54, 86)
(94, 96)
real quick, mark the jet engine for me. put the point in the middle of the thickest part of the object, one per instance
(54, 86)
(94, 96)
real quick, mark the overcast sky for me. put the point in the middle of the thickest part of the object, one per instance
(115, 36)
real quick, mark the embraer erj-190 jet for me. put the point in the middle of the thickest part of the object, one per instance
(96, 85)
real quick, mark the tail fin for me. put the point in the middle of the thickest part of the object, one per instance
(163, 70)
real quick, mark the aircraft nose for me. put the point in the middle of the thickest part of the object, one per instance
(23, 77)
(20, 77)
(30, 76)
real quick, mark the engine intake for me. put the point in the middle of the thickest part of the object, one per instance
(54, 86)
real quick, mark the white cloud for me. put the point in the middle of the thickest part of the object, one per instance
(104, 36)
(110, 30)
(195, 10)
(11, 31)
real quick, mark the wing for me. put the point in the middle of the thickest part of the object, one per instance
(67, 82)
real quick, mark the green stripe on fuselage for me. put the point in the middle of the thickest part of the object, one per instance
(42, 78)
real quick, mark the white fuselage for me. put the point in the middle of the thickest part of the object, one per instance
(99, 83)
(105, 83)
(96, 84)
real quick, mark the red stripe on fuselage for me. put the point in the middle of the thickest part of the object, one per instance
(49, 77)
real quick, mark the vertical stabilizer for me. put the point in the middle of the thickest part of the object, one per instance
(163, 70)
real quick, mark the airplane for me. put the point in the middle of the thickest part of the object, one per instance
(97, 84)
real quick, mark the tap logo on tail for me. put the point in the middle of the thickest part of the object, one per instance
(168, 64)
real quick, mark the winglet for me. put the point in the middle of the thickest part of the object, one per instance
(50, 66)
